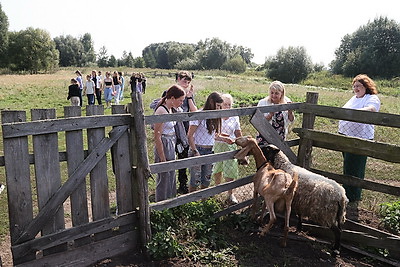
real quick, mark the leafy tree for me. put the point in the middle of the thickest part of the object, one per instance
(178, 52)
(89, 55)
(71, 51)
(32, 50)
(112, 61)
(149, 57)
(102, 57)
(373, 49)
(236, 65)
(208, 54)
(3, 37)
(290, 65)
(212, 54)
(188, 64)
(245, 53)
(138, 62)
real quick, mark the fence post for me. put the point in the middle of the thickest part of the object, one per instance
(304, 158)
(141, 170)
(122, 168)
(18, 179)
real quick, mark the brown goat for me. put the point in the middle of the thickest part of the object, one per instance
(275, 186)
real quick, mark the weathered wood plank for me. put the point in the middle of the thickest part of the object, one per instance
(75, 155)
(355, 181)
(189, 162)
(357, 237)
(122, 167)
(70, 185)
(98, 175)
(377, 118)
(354, 145)
(197, 195)
(74, 233)
(269, 133)
(47, 173)
(212, 114)
(60, 125)
(89, 254)
(304, 158)
(142, 169)
(19, 192)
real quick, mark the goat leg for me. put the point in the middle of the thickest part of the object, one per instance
(255, 204)
(337, 232)
(287, 219)
(272, 218)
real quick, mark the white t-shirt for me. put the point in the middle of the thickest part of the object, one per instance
(264, 102)
(201, 135)
(356, 129)
(89, 87)
(229, 126)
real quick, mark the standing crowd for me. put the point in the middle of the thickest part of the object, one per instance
(95, 87)
(204, 137)
(208, 136)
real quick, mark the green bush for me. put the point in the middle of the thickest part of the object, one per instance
(390, 213)
(189, 231)
(235, 65)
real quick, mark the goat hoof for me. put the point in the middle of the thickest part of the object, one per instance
(335, 252)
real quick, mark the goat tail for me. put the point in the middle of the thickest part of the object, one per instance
(293, 185)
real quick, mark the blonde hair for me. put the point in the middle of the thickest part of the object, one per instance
(228, 97)
(278, 86)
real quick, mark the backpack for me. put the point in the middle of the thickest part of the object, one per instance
(182, 141)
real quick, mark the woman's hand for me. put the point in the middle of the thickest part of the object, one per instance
(269, 116)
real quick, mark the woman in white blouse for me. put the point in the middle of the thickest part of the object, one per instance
(365, 98)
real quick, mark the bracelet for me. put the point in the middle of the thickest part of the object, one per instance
(190, 97)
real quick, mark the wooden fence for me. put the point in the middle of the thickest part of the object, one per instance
(39, 222)
(34, 151)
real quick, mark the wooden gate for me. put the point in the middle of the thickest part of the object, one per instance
(51, 162)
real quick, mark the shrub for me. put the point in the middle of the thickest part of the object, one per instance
(189, 231)
(390, 213)
(235, 65)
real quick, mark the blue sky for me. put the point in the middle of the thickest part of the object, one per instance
(264, 26)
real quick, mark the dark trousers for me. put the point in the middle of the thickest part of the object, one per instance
(354, 165)
(98, 96)
(182, 175)
(90, 98)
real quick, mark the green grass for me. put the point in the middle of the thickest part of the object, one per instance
(26, 92)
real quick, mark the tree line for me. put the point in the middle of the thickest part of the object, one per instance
(373, 49)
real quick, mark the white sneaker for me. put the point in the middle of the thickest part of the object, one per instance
(232, 199)
(2, 187)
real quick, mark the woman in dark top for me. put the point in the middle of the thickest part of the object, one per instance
(74, 93)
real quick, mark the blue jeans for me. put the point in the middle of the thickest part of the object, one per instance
(201, 174)
(90, 98)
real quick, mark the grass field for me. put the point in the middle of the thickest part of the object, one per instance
(26, 92)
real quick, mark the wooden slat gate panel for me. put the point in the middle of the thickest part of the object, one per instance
(94, 235)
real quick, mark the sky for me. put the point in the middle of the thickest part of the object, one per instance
(261, 25)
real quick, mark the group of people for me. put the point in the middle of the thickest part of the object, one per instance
(207, 136)
(204, 137)
(112, 86)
